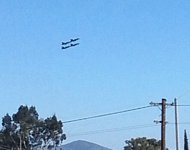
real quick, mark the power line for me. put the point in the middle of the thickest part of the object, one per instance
(112, 130)
(183, 94)
(179, 123)
(183, 105)
(104, 115)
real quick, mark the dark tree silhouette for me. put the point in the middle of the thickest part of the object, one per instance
(185, 141)
(25, 130)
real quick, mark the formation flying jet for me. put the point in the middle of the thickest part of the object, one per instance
(74, 44)
(73, 40)
(66, 47)
(65, 43)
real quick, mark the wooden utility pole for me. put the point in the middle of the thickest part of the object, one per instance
(163, 122)
(163, 127)
(176, 125)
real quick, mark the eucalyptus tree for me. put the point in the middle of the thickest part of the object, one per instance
(24, 130)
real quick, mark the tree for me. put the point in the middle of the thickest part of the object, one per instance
(25, 130)
(142, 144)
(185, 141)
(51, 132)
(7, 134)
(25, 120)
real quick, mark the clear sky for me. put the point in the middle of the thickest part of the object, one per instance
(131, 52)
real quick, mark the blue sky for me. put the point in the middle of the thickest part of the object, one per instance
(131, 52)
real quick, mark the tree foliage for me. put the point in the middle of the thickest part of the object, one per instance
(142, 144)
(25, 130)
(185, 141)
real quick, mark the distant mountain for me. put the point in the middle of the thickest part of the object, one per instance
(82, 145)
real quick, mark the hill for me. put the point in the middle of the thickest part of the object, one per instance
(82, 145)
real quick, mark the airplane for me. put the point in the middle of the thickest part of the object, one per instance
(64, 43)
(74, 44)
(66, 47)
(73, 40)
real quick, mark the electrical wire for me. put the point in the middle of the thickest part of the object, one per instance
(179, 123)
(182, 105)
(104, 115)
(112, 130)
(183, 94)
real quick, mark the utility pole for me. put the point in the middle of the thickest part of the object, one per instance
(176, 125)
(163, 122)
(163, 127)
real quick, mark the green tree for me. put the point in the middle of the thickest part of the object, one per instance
(185, 141)
(51, 132)
(8, 133)
(25, 120)
(25, 130)
(142, 144)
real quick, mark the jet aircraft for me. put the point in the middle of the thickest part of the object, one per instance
(73, 40)
(74, 44)
(66, 47)
(65, 43)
